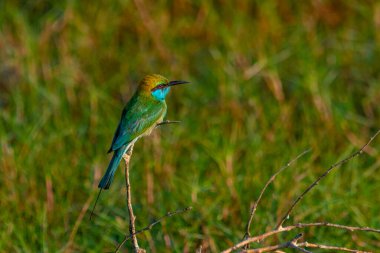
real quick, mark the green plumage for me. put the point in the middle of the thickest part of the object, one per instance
(140, 116)
(143, 112)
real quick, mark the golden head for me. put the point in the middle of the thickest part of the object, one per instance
(149, 82)
(157, 85)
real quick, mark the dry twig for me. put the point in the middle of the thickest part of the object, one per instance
(303, 245)
(254, 207)
(321, 246)
(345, 160)
(279, 228)
(289, 244)
(151, 225)
(297, 226)
(166, 122)
(132, 217)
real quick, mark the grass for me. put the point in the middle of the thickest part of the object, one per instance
(269, 80)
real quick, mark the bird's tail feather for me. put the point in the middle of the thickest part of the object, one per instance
(112, 167)
(108, 177)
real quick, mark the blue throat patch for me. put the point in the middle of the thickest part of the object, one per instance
(160, 94)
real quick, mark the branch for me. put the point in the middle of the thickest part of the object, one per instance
(293, 244)
(151, 225)
(166, 122)
(254, 207)
(299, 225)
(341, 162)
(327, 224)
(279, 228)
(321, 246)
(306, 245)
(290, 244)
(132, 217)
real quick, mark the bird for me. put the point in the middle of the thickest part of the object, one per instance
(143, 112)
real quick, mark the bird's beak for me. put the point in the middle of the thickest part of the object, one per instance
(172, 83)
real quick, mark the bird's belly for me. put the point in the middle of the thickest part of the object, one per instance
(149, 130)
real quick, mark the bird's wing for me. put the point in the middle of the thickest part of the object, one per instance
(137, 117)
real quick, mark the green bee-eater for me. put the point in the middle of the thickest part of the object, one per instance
(140, 116)
(143, 112)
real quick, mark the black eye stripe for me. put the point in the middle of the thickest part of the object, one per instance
(160, 86)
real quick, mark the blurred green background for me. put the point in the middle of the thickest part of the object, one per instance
(269, 80)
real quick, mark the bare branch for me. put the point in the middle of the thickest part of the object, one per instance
(345, 160)
(279, 228)
(306, 245)
(290, 244)
(297, 226)
(321, 246)
(293, 244)
(166, 122)
(254, 207)
(327, 224)
(151, 225)
(132, 217)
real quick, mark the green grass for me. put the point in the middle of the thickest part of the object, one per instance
(269, 79)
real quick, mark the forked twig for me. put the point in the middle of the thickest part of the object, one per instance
(279, 228)
(254, 207)
(151, 225)
(345, 160)
(297, 226)
(290, 244)
(303, 245)
(321, 246)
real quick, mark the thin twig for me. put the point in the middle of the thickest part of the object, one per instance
(297, 226)
(327, 224)
(166, 122)
(279, 228)
(290, 244)
(345, 160)
(293, 244)
(151, 225)
(321, 246)
(132, 217)
(254, 207)
(303, 244)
